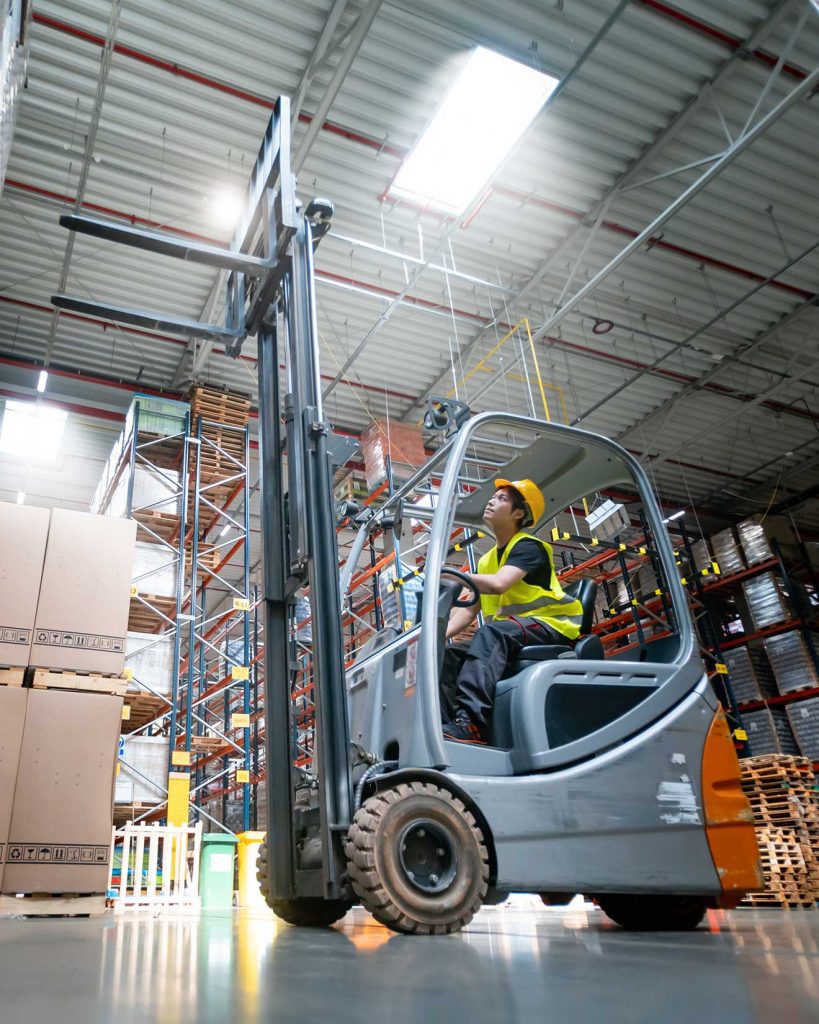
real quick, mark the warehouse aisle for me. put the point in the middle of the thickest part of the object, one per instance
(514, 963)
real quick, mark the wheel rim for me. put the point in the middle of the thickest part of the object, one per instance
(428, 857)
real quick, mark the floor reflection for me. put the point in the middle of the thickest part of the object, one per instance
(514, 962)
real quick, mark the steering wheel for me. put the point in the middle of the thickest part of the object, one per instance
(468, 583)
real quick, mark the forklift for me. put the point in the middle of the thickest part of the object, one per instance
(612, 775)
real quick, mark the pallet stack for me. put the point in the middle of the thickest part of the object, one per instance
(224, 416)
(783, 794)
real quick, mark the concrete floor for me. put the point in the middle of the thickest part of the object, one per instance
(515, 963)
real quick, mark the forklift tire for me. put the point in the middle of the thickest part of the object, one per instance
(304, 913)
(417, 859)
(654, 913)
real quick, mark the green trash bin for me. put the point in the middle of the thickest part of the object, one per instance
(216, 870)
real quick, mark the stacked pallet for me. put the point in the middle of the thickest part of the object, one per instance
(224, 415)
(783, 796)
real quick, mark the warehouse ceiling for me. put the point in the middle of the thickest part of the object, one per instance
(673, 313)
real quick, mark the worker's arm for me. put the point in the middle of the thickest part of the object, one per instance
(498, 582)
(460, 618)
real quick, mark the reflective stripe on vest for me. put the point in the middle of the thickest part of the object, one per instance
(554, 607)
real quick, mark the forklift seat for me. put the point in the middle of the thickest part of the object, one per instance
(585, 591)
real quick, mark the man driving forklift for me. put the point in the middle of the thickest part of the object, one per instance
(522, 604)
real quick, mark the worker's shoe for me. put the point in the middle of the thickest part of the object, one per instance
(464, 730)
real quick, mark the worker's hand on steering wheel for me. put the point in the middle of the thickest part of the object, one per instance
(463, 602)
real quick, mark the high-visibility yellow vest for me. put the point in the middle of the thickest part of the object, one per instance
(554, 607)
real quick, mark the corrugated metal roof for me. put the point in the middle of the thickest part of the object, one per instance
(184, 107)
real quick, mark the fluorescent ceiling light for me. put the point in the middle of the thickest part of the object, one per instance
(483, 115)
(224, 529)
(42, 380)
(674, 515)
(32, 431)
(21, 497)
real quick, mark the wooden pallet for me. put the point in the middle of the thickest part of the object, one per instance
(144, 615)
(160, 524)
(12, 676)
(124, 813)
(144, 707)
(209, 744)
(87, 682)
(42, 904)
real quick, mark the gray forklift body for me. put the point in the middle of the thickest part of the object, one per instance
(592, 782)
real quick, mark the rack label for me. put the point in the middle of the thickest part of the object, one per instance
(240, 720)
(181, 758)
(241, 604)
(240, 673)
(242, 775)
(721, 669)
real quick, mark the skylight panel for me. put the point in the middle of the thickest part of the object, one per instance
(32, 431)
(488, 108)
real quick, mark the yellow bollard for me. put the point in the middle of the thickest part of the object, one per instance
(249, 892)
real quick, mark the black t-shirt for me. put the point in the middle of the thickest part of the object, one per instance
(530, 555)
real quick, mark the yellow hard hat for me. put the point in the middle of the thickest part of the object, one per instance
(530, 492)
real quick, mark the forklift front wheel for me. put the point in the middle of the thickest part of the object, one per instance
(654, 913)
(417, 859)
(304, 913)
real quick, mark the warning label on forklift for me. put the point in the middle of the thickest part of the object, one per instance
(14, 635)
(56, 853)
(85, 641)
(412, 663)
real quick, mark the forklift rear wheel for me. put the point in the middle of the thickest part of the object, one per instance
(305, 913)
(418, 860)
(654, 913)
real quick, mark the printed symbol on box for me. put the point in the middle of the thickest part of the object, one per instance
(44, 853)
(42, 636)
(23, 636)
(54, 638)
(105, 643)
(101, 855)
(59, 853)
(15, 853)
(31, 853)
(87, 855)
(8, 634)
(82, 640)
(93, 641)
(72, 854)
(68, 639)
(116, 645)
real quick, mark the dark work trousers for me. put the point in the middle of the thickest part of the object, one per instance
(470, 674)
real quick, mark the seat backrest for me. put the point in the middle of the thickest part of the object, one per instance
(585, 591)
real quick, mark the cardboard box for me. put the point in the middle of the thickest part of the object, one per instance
(24, 531)
(60, 834)
(82, 614)
(12, 720)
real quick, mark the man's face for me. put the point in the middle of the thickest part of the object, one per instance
(499, 509)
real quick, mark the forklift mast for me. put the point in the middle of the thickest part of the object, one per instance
(270, 293)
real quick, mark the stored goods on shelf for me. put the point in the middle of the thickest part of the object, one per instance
(155, 569)
(143, 770)
(791, 662)
(726, 551)
(24, 532)
(150, 659)
(756, 534)
(769, 732)
(161, 417)
(767, 600)
(750, 675)
(804, 719)
(702, 555)
(13, 701)
(402, 443)
(154, 490)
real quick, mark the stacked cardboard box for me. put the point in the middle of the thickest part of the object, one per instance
(24, 532)
(792, 662)
(58, 739)
(401, 443)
